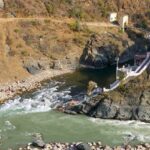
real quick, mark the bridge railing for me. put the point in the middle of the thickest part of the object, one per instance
(143, 64)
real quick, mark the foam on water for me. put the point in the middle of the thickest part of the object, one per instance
(130, 130)
(40, 101)
(130, 136)
(9, 126)
(131, 123)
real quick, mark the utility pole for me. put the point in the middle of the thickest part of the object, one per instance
(117, 64)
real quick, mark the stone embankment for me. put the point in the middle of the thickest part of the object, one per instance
(9, 90)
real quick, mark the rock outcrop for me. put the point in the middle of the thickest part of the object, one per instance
(38, 141)
(129, 102)
(102, 50)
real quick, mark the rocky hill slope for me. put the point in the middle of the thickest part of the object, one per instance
(83, 9)
(101, 50)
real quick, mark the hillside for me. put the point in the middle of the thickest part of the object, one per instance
(64, 7)
(29, 46)
(82, 9)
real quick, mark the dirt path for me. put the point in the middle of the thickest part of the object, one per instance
(64, 20)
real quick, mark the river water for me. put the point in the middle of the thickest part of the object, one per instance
(33, 113)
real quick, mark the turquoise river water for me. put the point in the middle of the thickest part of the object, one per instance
(25, 115)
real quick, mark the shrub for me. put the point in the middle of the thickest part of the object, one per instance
(68, 1)
(76, 12)
(47, 21)
(122, 88)
(121, 30)
(35, 23)
(75, 26)
(12, 53)
(19, 46)
(24, 53)
(121, 75)
(50, 8)
(16, 30)
(103, 8)
(144, 24)
(9, 41)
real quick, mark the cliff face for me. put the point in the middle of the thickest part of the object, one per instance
(102, 50)
(130, 101)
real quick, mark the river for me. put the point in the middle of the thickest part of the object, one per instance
(33, 113)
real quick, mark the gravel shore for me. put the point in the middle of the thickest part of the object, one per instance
(85, 146)
(39, 144)
(9, 90)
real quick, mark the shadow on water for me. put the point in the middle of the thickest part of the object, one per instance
(79, 79)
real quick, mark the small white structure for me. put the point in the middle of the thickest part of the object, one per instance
(124, 21)
(113, 17)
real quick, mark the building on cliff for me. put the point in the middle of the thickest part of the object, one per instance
(113, 17)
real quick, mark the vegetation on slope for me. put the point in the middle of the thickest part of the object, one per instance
(81, 9)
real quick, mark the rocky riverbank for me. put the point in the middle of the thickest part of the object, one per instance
(128, 102)
(9, 90)
(38, 144)
(85, 146)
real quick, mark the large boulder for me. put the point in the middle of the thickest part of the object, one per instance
(125, 113)
(33, 66)
(32, 69)
(106, 110)
(144, 113)
(38, 141)
(145, 99)
(82, 146)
